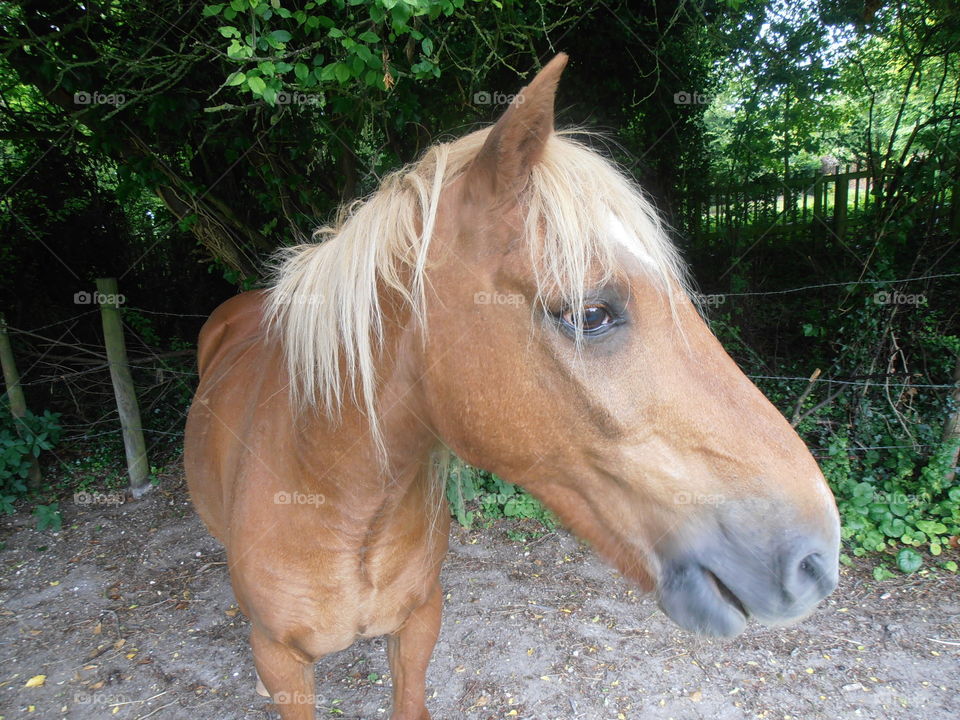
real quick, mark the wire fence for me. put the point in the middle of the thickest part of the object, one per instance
(80, 370)
(874, 380)
(849, 283)
(59, 358)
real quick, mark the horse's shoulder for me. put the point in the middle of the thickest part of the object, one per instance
(237, 320)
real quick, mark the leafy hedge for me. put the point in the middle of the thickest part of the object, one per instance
(21, 442)
(479, 495)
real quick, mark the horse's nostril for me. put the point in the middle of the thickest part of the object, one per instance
(812, 575)
(812, 566)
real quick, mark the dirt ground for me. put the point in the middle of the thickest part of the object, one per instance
(128, 613)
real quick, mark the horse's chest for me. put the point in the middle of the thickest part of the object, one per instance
(327, 591)
(394, 580)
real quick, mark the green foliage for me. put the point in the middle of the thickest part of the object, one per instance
(818, 81)
(772, 111)
(102, 466)
(280, 50)
(141, 326)
(48, 517)
(21, 443)
(894, 501)
(880, 440)
(476, 494)
(252, 120)
(909, 561)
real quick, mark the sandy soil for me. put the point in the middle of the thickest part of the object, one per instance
(128, 613)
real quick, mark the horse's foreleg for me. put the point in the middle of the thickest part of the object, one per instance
(409, 651)
(286, 677)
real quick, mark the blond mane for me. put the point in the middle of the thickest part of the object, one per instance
(324, 302)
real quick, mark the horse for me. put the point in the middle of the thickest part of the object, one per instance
(512, 299)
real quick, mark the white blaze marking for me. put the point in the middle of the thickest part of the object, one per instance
(629, 241)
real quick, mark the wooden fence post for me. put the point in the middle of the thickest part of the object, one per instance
(18, 403)
(136, 449)
(840, 204)
(818, 222)
(951, 430)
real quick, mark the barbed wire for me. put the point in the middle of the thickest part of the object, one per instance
(802, 288)
(64, 369)
(90, 436)
(141, 362)
(749, 293)
(860, 383)
(879, 447)
(53, 324)
(160, 312)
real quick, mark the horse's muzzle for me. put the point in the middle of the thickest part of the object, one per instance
(714, 589)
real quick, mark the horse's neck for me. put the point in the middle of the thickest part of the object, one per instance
(346, 453)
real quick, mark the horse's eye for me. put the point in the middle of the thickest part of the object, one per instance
(593, 318)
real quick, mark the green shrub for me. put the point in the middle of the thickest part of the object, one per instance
(879, 445)
(475, 494)
(20, 444)
(895, 501)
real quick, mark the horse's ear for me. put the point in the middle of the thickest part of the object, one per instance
(516, 142)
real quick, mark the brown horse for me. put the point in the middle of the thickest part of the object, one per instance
(510, 297)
